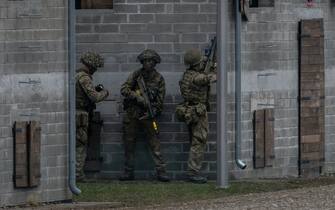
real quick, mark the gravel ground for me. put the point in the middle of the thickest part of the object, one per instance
(305, 198)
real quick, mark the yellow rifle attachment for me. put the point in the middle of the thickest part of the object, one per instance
(154, 124)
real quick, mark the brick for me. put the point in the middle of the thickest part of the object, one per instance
(84, 28)
(125, 8)
(87, 38)
(124, 28)
(161, 47)
(186, 8)
(113, 37)
(152, 8)
(166, 38)
(135, 37)
(208, 8)
(106, 28)
(194, 38)
(159, 28)
(208, 28)
(114, 18)
(185, 28)
(141, 18)
(88, 19)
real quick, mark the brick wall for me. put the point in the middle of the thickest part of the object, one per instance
(269, 73)
(33, 70)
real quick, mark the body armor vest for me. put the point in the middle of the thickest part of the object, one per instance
(82, 100)
(191, 92)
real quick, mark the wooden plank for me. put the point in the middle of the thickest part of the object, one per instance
(310, 147)
(259, 140)
(311, 101)
(20, 157)
(96, 4)
(269, 137)
(34, 153)
(310, 139)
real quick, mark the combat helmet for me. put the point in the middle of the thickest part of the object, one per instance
(92, 60)
(192, 57)
(149, 54)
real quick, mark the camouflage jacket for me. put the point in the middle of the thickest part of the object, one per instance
(86, 95)
(156, 86)
(194, 87)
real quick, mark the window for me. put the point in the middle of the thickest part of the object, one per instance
(94, 4)
(261, 3)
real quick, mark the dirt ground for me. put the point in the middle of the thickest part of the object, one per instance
(304, 198)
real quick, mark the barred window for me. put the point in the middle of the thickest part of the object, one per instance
(261, 3)
(94, 4)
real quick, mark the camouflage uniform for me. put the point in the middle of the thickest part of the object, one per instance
(86, 97)
(136, 114)
(194, 87)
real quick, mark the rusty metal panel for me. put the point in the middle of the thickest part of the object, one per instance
(34, 151)
(20, 155)
(259, 139)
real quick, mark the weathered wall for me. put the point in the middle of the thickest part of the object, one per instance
(270, 68)
(33, 66)
(269, 73)
(169, 27)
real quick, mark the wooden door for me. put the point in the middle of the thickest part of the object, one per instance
(311, 97)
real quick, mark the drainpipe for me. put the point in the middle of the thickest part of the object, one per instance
(221, 130)
(238, 21)
(72, 104)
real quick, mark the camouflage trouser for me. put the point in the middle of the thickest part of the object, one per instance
(81, 142)
(198, 133)
(131, 127)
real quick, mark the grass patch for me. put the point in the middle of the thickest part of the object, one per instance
(141, 193)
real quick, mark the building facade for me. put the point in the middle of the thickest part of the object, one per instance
(288, 67)
(271, 57)
(33, 65)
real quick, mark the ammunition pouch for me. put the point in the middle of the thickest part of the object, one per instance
(81, 119)
(190, 113)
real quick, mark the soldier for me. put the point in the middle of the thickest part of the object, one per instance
(137, 112)
(86, 97)
(194, 87)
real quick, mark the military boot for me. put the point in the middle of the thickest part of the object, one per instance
(127, 176)
(162, 176)
(197, 179)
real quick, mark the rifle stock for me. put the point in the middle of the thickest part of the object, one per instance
(211, 57)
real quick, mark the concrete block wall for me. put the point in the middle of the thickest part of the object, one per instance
(270, 68)
(269, 72)
(33, 66)
(169, 27)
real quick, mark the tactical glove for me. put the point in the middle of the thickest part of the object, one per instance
(99, 87)
(137, 97)
(212, 78)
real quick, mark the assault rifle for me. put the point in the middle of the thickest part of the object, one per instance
(147, 97)
(210, 57)
(210, 66)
